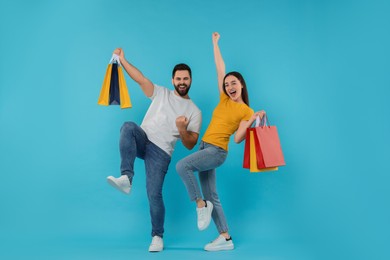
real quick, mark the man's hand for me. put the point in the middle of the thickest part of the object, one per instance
(182, 123)
(120, 53)
(188, 138)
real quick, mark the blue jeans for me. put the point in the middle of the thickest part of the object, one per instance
(204, 161)
(134, 143)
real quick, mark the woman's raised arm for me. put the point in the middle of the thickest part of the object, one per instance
(219, 63)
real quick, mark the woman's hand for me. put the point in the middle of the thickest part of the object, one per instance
(241, 131)
(260, 114)
(215, 38)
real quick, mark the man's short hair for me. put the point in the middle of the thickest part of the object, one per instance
(181, 66)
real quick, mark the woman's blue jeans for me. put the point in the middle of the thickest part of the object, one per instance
(204, 161)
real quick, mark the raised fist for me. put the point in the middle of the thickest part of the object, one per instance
(215, 37)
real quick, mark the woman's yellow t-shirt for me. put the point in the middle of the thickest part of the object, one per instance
(225, 121)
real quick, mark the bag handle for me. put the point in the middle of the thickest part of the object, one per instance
(262, 122)
(115, 58)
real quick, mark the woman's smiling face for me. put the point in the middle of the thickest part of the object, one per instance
(233, 88)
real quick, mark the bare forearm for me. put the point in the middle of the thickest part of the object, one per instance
(133, 72)
(219, 64)
(244, 125)
(241, 131)
(188, 138)
(145, 84)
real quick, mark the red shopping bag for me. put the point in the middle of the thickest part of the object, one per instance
(263, 151)
(252, 155)
(246, 163)
(271, 150)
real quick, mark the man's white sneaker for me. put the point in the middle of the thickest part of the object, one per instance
(122, 183)
(221, 243)
(157, 244)
(204, 215)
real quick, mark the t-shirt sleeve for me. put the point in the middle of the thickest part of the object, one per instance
(156, 91)
(247, 113)
(195, 123)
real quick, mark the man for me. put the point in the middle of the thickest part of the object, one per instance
(171, 115)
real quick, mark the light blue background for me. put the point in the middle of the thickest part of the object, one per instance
(319, 68)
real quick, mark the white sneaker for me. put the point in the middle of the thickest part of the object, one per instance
(122, 183)
(157, 244)
(204, 215)
(221, 243)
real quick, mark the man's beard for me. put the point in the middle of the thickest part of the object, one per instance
(182, 92)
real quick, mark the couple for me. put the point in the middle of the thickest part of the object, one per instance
(173, 115)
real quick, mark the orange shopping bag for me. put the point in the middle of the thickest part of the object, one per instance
(114, 90)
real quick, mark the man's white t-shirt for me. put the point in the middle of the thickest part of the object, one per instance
(159, 122)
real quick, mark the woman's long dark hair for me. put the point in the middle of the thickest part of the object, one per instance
(244, 92)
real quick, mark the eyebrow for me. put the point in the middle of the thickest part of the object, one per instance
(233, 81)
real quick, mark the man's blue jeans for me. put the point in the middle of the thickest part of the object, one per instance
(204, 161)
(134, 143)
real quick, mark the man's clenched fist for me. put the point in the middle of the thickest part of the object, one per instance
(182, 123)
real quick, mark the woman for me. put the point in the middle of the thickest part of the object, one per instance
(232, 114)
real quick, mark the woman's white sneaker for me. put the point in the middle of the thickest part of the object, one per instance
(157, 244)
(221, 243)
(204, 215)
(122, 183)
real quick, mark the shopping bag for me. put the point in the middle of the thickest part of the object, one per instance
(252, 154)
(269, 143)
(105, 91)
(114, 86)
(124, 93)
(114, 90)
(247, 160)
